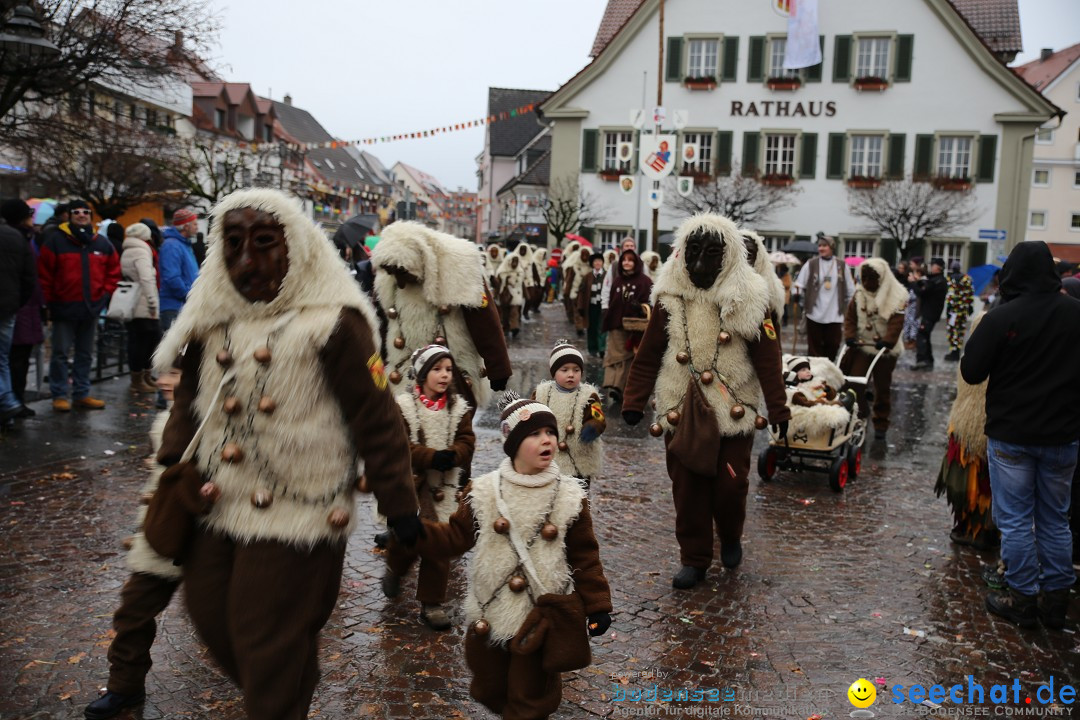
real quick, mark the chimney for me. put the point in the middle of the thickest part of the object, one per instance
(1045, 54)
(287, 99)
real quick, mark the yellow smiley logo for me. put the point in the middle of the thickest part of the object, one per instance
(861, 693)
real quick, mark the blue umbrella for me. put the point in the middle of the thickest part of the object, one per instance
(981, 277)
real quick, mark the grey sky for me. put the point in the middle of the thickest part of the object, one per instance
(371, 67)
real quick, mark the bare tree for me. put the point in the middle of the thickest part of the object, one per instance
(909, 211)
(209, 168)
(567, 208)
(114, 41)
(112, 167)
(743, 198)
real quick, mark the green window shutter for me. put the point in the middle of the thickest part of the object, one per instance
(731, 60)
(755, 64)
(722, 156)
(924, 157)
(674, 60)
(588, 150)
(642, 238)
(887, 250)
(813, 73)
(895, 169)
(905, 44)
(987, 151)
(841, 69)
(750, 143)
(808, 156)
(834, 167)
(976, 254)
(586, 232)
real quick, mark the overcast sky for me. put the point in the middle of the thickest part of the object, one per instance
(379, 67)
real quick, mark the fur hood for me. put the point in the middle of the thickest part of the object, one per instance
(540, 257)
(524, 251)
(739, 292)
(448, 267)
(316, 279)
(763, 266)
(647, 259)
(891, 297)
(577, 259)
(512, 263)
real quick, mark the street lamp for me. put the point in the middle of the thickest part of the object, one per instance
(23, 37)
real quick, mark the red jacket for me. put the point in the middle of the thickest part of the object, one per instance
(77, 277)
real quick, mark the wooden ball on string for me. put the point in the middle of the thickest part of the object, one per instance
(707, 377)
(262, 355)
(673, 417)
(737, 412)
(501, 525)
(338, 518)
(549, 532)
(224, 358)
(656, 430)
(262, 498)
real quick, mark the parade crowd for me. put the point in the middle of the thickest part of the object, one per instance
(296, 377)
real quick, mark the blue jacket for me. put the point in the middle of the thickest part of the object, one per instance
(177, 267)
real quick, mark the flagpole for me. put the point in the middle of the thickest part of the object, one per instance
(637, 185)
(652, 244)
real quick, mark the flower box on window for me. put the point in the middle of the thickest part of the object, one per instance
(777, 179)
(700, 83)
(610, 174)
(863, 182)
(784, 83)
(952, 183)
(871, 82)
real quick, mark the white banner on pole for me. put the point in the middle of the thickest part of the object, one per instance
(685, 186)
(803, 46)
(626, 184)
(637, 118)
(625, 151)
(680, 119)
(690, 153)
(656, 199)
(657, 156)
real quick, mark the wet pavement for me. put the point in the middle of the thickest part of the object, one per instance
(833, 587)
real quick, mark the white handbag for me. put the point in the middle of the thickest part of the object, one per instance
(123, 302)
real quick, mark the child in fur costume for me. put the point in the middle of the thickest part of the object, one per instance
(758, 257)
(652, 264)
(510, 279)
(432, 289)
(536, 557)
(804, 390)
(577, 409)
(815, 404)
(439, 421)
(575, 267)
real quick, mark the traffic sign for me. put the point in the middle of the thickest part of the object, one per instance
(991, 234)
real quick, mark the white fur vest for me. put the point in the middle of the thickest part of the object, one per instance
(437, 430)
(874, 309)
(142, 558)
(583, 460)
(511, 279)
(527, 500)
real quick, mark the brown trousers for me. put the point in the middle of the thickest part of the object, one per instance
(511, 317)
(142, 599)
(702, 501)
(857, 362)
(617, 360)
(823, 339)
(431, 579)
(514, 686)
(259, 607)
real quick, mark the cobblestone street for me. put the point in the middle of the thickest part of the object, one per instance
(833, 587)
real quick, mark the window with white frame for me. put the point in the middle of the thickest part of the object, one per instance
(780, 154)
(777, 50)
(872, 58)
(946, 250)
(611, 237)
(1074, 222)
(1044, 136)
(611, 150)
(866, 153)
(1037, 220)
(703, 57)
(859, 247)
(773, 243)
(1040, 177)
(704, 141)
(954, 156)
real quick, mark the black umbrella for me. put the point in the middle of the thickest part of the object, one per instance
(800, 246)
(352, 233)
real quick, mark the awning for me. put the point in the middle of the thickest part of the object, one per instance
(1069, 252)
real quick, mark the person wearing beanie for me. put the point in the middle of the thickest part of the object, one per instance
(824, 288)
(590, 306)
(78, 271)
(138, 263)
(931, 291)
(510, 280)
(578, 410)
(873, 322)
(797, 370)
(959, 304)
(177, 264)
(438, 417)
(711, 353)
(432, 289)
(536, 564)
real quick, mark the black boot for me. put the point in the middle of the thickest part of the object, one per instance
(953, 356)
(110, 704)
(382, 539)
(1014, 606)
(687, 577)
(731, 554)
(1053, 608)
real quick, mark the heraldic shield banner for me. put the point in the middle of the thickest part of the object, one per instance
(657, 155)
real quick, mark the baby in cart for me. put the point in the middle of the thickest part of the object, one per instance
(814, 396)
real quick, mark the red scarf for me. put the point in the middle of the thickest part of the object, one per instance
(439, 404)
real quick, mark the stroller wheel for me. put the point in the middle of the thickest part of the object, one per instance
(838, 474)
(854, 461)
(766, 464)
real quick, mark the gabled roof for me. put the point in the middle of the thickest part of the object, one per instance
(336, 165)
(429, 183)
(1041, 73)
(301, 124)
(539, 173)
(507, 137)
(997, 22)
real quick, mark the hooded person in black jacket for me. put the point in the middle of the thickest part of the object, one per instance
(1028, 348)
(931, 291)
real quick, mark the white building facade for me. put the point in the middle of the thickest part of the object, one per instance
(904, 89)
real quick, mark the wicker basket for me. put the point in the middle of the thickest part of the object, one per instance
(638, 324)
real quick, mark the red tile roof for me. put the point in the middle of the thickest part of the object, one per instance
(616, 14)
(1041, 73)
